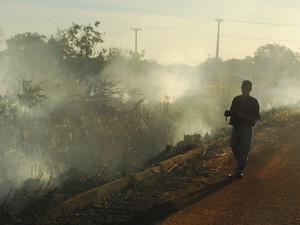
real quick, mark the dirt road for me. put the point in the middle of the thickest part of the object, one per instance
(268, 194)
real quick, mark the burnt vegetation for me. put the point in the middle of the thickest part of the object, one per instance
(75, 115)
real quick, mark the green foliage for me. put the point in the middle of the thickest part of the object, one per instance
(79, 50)
(31, 93)
(118, 135)
(76, 52)
(273, 58)
(270, 62)
(274, 53)
(100, 90)
(113, 55)
(25, 42)
(30, 53)
(8, 107)
(79, 41)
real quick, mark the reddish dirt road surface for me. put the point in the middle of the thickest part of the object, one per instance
(270, 191)
(199, 192)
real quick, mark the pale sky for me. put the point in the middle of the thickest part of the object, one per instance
(172, 31)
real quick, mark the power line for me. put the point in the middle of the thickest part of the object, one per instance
(118, 33)
(208, 37)
(192, 39)
(198, 24)
(236, 53)
(263, 23)
(224, 36)
(175, 27)
(259, 39)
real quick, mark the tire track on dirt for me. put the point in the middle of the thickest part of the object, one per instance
(273, 164)
(269, 193)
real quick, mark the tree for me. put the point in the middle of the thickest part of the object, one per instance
(274, 59)
(25, 41)
(79, 41)
(274, 52)
(8, 107)
(29, 53)
(113, 55)
(81, 55)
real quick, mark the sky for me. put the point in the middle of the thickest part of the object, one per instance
(172, 31)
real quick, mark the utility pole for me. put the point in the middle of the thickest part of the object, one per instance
(218, 38)
(136, 30)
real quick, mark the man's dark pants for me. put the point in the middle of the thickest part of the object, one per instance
(240, 144)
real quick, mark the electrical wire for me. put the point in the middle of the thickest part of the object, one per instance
(192, 39)
(175, 27)
(259, 39)
(262, 23)
(118, 33)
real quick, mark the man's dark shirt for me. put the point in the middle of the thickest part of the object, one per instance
(248, 105)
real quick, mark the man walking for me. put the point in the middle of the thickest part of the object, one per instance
(244, 112)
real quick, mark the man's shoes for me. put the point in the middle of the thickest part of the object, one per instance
(239, 175)
(236, 175)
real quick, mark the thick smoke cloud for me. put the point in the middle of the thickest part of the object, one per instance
(184, 88)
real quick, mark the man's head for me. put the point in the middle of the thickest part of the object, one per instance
(246, 87)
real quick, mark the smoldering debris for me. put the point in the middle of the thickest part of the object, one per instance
(190, 141)
(36, 196)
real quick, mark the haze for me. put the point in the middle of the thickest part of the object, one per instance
(68, 121)
(172, 31)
